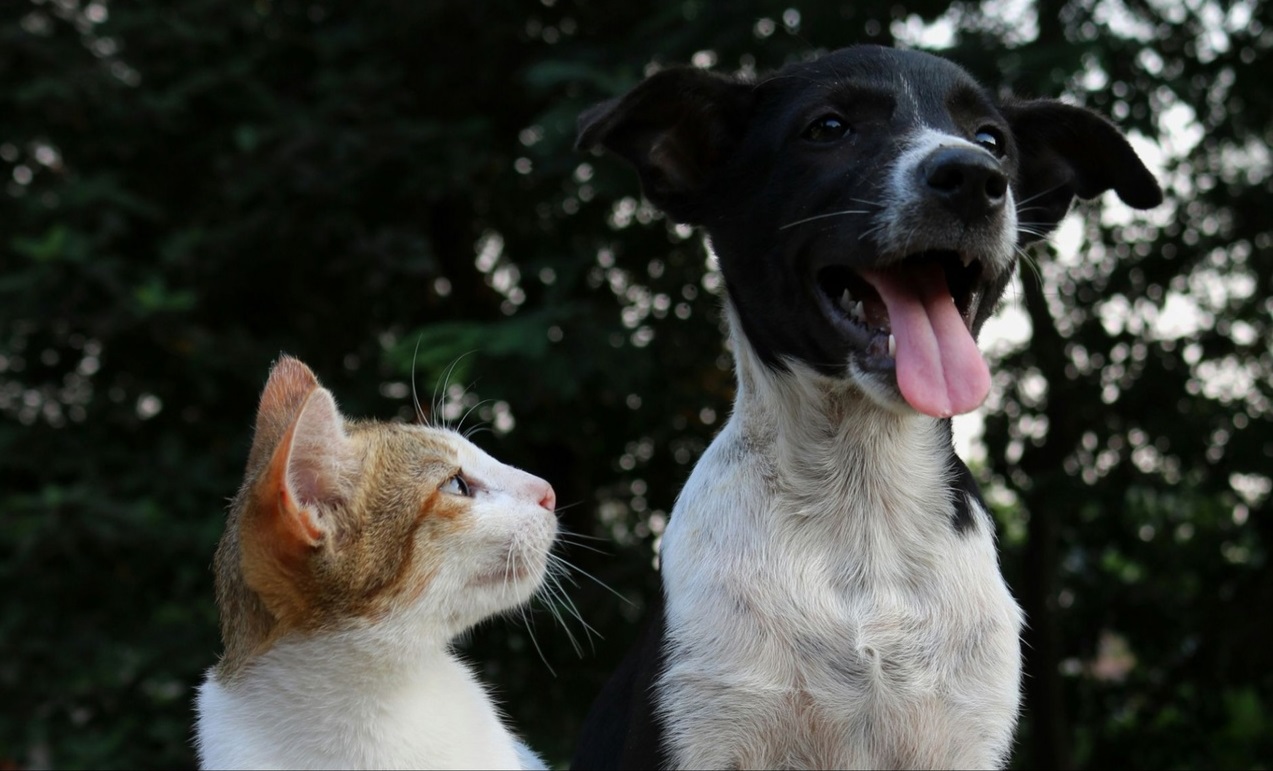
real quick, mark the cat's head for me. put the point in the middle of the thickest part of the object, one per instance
(345, 524)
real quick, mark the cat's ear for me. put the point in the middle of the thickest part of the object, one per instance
(289, 385)
(307, 457)
(310, 472)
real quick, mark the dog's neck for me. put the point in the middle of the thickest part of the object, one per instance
(825, 434)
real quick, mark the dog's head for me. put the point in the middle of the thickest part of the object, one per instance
(866, 206)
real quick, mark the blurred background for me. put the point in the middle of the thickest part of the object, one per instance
(189, 188)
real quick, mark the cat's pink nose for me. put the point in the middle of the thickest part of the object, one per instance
(547, 498)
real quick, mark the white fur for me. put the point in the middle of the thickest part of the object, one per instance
(822, 610)
(388, 692)
(324, 702)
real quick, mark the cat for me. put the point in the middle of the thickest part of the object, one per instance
(353, 554)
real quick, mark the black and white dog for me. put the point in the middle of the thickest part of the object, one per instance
(832, 594)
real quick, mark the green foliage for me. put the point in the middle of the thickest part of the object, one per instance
(389, 191)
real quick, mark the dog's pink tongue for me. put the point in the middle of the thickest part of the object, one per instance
(940, 370)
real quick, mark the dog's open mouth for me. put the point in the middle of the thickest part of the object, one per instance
(916, 316)
(861, 303)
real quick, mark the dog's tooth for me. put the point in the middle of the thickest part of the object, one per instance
(859, 313)
(846, 301)
(892, 346)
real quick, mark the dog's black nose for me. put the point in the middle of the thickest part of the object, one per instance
(967, 181)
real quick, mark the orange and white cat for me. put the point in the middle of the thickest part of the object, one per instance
(353, 554)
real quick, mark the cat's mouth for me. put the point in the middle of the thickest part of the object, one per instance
(515, 571)
(512, 575)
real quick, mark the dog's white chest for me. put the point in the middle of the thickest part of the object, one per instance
(820, 629)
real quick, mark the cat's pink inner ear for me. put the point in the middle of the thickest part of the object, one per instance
(289, 385)
(308, 470)
(319, 464)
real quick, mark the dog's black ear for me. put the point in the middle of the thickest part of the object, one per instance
(1069, 151)
(675, 127)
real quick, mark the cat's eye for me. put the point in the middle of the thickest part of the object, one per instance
(457, 485)
(828, 128)
(991, 138)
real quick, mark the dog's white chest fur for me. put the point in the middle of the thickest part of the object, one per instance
(822, 611)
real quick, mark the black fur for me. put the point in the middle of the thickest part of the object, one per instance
(622, 730)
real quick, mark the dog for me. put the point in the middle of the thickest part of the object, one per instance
(831, 588)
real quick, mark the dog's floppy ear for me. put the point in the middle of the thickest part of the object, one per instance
(675, 127)
(1069, 151)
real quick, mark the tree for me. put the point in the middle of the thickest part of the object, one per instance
(192, 188)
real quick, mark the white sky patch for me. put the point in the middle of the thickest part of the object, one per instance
(969, 430)
(1016, 21)
(1114, 17)
(1019, 20)
(1196, 300)
(914, 32)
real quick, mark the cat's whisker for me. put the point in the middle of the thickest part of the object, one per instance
(565, 506)
(577, 539)
(563, 571)
(445, 385)
(415, 397)
(439, 398)
(556, 571)
(528, 618)
(578, 545)
(459, 427)
(591, 577)
(530, 632)
(580, 538)
(557, 600)
(475, 430)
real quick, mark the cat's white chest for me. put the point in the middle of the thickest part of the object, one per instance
(311, 717)
(799, 642)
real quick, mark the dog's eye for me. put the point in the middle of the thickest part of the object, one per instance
(990, 138)
(828, 128)
(457, 485)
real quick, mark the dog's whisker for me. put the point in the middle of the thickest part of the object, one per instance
(823, 216)
(1028, 261)
(1040, 194)
(872, 230)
